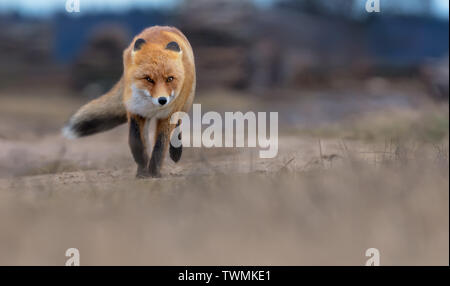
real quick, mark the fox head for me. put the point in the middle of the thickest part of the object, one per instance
(155, 71)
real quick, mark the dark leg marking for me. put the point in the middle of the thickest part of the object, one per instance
(138, 148)
(157, 155)
(175, 152)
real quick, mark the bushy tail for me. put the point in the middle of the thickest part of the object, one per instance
(101, 114)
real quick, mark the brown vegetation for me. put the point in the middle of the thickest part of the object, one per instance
(379, 181)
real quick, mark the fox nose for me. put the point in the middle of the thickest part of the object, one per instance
(162, 100)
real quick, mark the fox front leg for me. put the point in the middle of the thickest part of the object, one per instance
(175, 152)
(163, 130)
(138, 144)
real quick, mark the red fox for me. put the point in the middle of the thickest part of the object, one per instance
(158, 80)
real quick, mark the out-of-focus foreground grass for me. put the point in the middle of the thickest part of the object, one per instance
(379, 180)
(328, 212)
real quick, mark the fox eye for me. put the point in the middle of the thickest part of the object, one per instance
(149, 79)
(169, 79)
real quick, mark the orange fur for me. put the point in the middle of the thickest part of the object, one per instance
(153, 71)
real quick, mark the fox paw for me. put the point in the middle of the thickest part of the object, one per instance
(142, 173)
(155, 174)
(175, 153)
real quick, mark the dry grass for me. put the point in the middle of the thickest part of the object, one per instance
(322, 213)
(326, 198)
(428, 124)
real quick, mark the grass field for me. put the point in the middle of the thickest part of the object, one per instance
(372, 175)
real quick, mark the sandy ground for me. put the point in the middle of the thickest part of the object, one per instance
(330, 194)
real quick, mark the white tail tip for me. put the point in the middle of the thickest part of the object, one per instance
(68, 133)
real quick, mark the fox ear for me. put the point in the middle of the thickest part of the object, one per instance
(173, 46)
(138, 44)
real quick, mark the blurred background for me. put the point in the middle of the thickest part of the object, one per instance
(263, 44)
(363, 135)
(314, 61)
